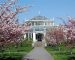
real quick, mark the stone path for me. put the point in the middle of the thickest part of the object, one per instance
(38, 53)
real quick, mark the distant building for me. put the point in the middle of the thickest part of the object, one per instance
(38, 28)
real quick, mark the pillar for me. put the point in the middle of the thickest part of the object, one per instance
(34, 37)
(24, 36)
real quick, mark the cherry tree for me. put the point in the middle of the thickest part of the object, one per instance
(55, 35)
(10, 30)
(70, 33)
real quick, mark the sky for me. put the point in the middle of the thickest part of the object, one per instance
(49, 8)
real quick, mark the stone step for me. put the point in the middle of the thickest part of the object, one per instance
(39, 44)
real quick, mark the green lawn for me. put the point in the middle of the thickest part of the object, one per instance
(16, 53)
(63, 54)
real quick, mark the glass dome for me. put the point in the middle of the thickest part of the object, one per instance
(39, 18)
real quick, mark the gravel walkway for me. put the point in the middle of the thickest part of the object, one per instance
(38, 53)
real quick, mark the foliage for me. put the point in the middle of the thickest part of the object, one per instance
(70, 32)
(11, 31)
(55, 35)
(62, 34)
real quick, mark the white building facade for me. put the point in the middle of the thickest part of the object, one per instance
(38, 28)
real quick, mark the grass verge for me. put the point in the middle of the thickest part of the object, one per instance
(63, 54)
(12, 53)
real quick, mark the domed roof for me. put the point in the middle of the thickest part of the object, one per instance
(39, 18)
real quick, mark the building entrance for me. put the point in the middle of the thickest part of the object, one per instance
(39, 36)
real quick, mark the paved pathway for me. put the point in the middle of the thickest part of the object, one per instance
(38, 53)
